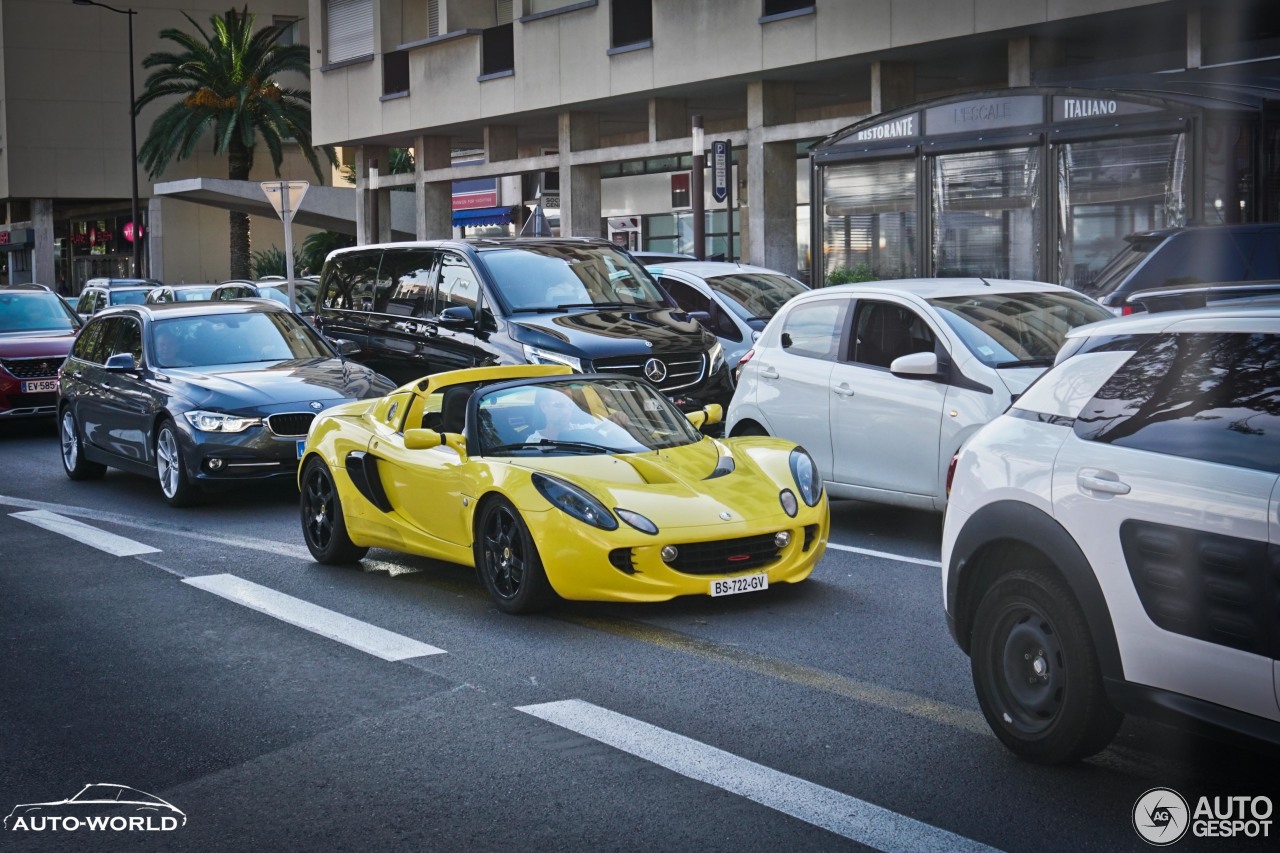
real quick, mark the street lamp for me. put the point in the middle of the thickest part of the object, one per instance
(136, 223)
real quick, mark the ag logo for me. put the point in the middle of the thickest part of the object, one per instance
(1160, 816)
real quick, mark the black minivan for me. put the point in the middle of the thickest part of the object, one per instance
(418, 308)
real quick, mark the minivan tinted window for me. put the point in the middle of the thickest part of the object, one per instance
(351, 280)
(406, 282)
(553, 278)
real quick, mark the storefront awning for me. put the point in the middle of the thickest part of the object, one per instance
(482, 216)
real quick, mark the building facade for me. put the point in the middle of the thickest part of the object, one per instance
(602, 94)
(65, 149)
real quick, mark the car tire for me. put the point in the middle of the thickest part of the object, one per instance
(508, 561)
(171, 468)
(750, 430)
(73, 459)
(324, 526)
(1036, 671)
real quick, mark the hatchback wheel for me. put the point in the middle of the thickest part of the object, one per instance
(1036, 672)
(73, 459)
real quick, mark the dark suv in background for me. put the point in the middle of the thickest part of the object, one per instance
(419, 308)
(1174, 257)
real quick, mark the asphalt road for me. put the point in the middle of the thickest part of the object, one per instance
(409, 714)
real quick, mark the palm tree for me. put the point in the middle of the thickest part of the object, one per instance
(228, 90)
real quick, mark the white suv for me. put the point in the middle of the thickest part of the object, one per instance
(1112, 542)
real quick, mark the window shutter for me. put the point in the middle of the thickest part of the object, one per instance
(502, 9)
(433, 18)
(350, 30)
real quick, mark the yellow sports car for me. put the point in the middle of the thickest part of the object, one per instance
(583, 486)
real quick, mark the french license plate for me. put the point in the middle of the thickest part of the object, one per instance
(302, 445)
(745, 583)
(38, 385)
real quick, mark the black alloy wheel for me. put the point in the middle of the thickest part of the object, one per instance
(508, 560)
(323, 525)
(73, 459)
(1036, 671)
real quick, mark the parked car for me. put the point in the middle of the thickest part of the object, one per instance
(199, 394)
(416, 309)
(1111, 541)
(734, 301)
(37, 329)
(95, 298)
(1173, 257)
(883, 381)
(647, 257)
(123, 282)
(180, 293)
(598, 473)
(304, 292)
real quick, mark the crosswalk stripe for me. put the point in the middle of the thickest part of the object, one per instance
(319, 620)
(933, 564)
(839, 813)
(85, 534)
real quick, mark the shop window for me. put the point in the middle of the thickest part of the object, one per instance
(986, 214)
(632, 22)
(870, 222)
(1110, 188)
(498, 49)
(771, 9)
(348, 30)
(395, 72)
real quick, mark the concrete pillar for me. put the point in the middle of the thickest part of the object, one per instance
(1020, 61)
(893, 85)
(668, 119)
(42, 265)
(1194, 43)
(500, 143)
(433, 202)
(579, 185)
(154, 256)
(769, 222)
(372, 205)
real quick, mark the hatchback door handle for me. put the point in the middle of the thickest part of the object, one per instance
(1105, 482)
(767, 372)
(843, 389)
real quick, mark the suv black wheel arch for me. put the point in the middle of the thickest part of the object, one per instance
(986, 549)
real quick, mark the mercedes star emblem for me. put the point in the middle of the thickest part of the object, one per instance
(654, 370)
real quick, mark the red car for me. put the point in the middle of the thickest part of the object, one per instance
(37, 329)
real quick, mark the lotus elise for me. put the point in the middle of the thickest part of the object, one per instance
(555, 484)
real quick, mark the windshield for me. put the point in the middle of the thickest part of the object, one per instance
(304, 293)
(233, 338)
(1118, 268)
(1017, 329)
(34, 311)
(580, 417)
(556, 277)
(755, 296)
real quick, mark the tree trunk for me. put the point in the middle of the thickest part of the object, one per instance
(239, 163)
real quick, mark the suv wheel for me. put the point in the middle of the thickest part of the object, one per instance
(1036, 671)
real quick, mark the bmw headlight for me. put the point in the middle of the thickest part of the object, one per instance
(715, 357)
(218, 422)
(805, 472)
(537, 355)
(575, 502)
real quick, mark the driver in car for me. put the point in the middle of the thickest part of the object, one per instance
(564, 420)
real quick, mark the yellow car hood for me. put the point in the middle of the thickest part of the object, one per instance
(671, 487)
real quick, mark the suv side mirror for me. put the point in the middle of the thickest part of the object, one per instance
(345, 347)
(917, 365)
(121, 363)
(457, 316)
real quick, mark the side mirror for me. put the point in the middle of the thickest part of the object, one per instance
(121, 363)
(703, 317)
(345, 347)
(712, 413)
(457, 316)
(424, 439)
(917, 365)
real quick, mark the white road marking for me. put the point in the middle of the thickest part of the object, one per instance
(85, 534)
(847, 816)
(319, 620)
(933, 564)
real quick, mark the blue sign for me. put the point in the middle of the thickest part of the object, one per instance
(721, 169)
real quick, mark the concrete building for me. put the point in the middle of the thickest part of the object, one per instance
(594, 98)
(65, 184)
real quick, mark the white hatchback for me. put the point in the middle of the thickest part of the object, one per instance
(882, 382)
(1112, 543)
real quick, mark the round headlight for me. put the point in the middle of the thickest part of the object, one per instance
(782, 538)
(669, 553)
(788, 501)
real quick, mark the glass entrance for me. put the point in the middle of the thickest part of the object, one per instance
(986, 214)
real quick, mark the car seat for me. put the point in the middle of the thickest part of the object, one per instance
(453, 408)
